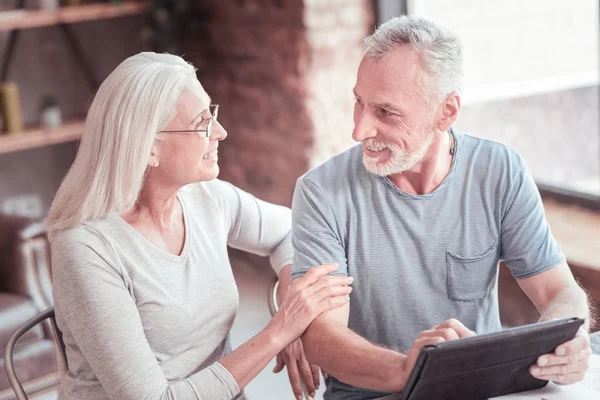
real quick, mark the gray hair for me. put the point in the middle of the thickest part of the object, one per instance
(439, 50)
(134, 102)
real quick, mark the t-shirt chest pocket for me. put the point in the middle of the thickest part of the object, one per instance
(471, 277)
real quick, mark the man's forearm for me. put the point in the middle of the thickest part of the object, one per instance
(285, 280)
(572, 301)
(352, 359)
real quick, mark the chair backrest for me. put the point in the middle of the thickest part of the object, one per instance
(273, 297)
(10, 348)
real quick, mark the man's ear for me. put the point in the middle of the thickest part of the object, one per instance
(449, 112)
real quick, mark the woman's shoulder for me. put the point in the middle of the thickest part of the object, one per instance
(215, 191)
(84, 241)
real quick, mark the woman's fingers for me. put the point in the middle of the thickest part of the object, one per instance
(313, 275)
(328, 281)
(331, 291)
(331, 303)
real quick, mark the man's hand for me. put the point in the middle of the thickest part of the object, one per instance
(294, 359)
(451, 329)
(568, 363)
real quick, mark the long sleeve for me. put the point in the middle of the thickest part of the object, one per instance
(105, 333)
(256, 226)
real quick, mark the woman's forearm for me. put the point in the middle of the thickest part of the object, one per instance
(245, 362)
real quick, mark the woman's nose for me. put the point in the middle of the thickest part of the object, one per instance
(218, 132)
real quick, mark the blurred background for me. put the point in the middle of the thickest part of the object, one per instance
(283, 72)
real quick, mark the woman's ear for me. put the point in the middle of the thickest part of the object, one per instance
(153, 160)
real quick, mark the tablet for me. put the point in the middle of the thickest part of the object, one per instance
(487, 365)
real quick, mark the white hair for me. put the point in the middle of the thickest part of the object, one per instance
(135, 101)
(439, 51)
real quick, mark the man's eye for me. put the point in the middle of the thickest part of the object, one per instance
(357, 100)
(384, 112)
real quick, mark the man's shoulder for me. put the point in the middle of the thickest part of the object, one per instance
(336, 169)
(486, 152)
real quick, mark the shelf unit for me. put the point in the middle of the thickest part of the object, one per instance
(20, 19)
(27, 19)
(39, 137)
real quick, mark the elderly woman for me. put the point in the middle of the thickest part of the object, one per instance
(144, 292)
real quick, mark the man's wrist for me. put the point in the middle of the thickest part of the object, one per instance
(402, 374)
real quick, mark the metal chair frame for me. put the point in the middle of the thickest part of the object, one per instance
(12, 342)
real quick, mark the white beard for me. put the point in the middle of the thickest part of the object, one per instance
(399, 160)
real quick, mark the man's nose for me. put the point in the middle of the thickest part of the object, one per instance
(364, 127)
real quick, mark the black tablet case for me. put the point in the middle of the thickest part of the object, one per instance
(488, 365)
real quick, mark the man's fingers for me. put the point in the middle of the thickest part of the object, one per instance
(561, 379)
(294, 375)
(279, 364)
(562, 369)
(580, 342)
(424, 341)
(457, 326)
(552, 359)
(445, 333)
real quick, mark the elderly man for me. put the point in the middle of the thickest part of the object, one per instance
(420, 215)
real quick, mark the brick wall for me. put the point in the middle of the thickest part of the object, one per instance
(283, 72)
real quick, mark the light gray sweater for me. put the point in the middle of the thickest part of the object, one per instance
(141, 323)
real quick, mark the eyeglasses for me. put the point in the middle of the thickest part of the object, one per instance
(205, 124)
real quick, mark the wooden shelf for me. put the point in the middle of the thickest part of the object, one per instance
(25, 19)
(576, 231)
(39, 137)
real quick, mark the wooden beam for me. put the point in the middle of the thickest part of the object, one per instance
(26, 19)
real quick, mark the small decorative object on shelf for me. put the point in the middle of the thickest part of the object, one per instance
(172, 22)
(50, 112)
(48, 5)
(12, 114)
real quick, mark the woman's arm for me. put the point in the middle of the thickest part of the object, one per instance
(256, 226)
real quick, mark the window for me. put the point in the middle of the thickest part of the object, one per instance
(531, 81)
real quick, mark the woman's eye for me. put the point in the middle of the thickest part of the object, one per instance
(357, 100)
(201, 125)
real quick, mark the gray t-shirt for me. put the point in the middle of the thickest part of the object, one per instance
(141, 323)
(418, 260)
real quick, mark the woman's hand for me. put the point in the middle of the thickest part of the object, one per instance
(307, 298)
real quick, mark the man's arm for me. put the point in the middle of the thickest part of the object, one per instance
(353, 360)
(536, 261)
(556, 294)
(328, 342)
